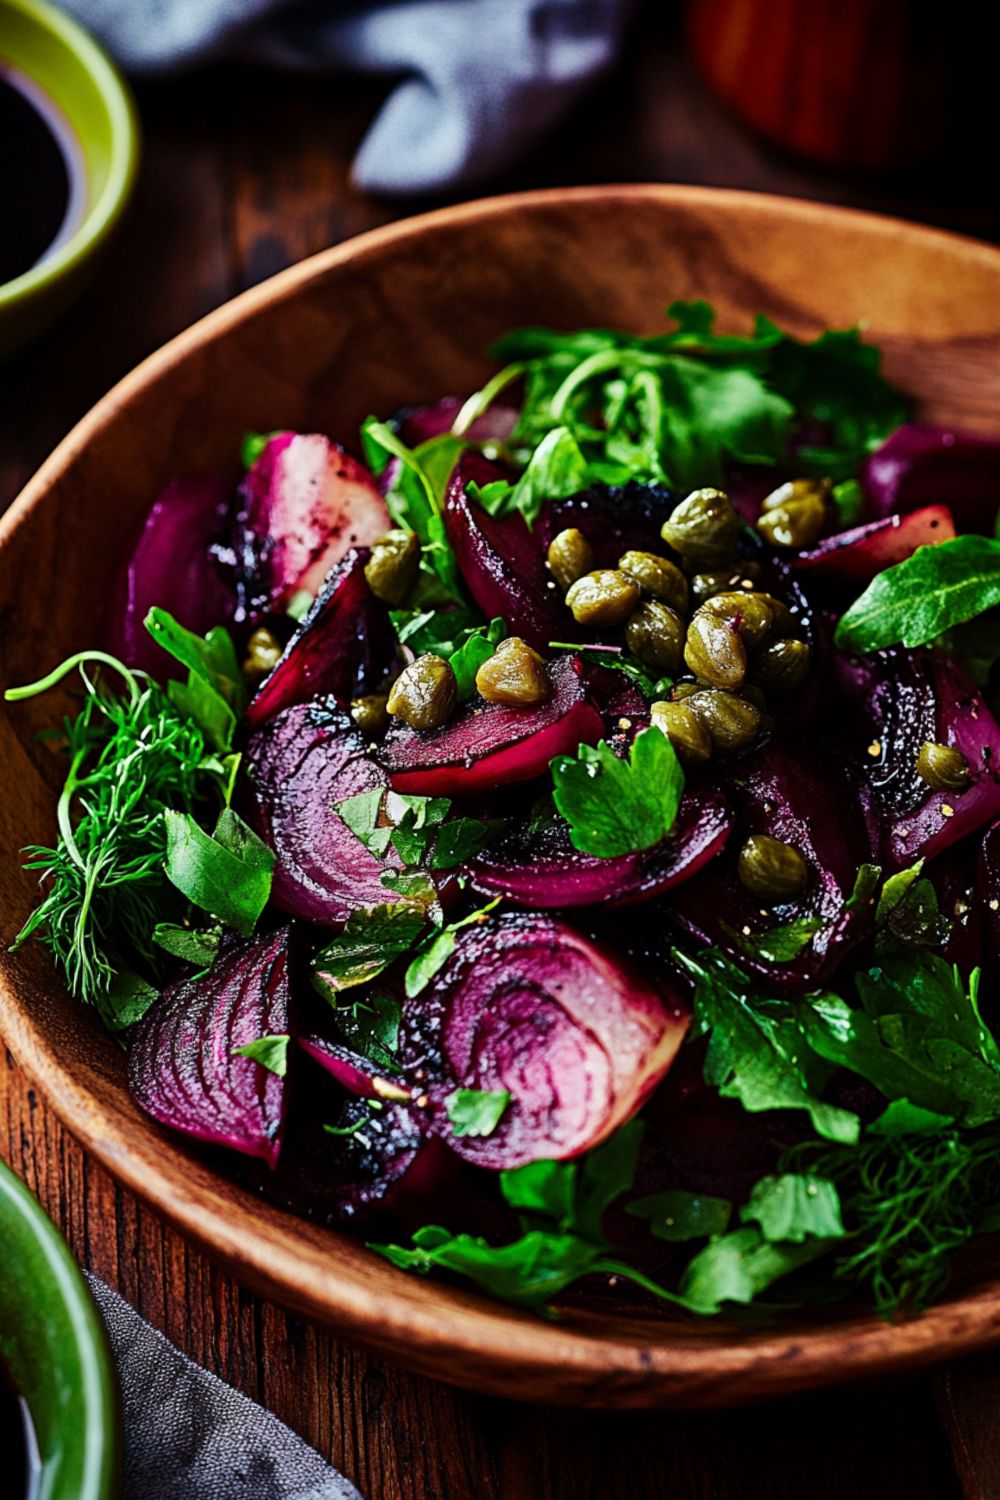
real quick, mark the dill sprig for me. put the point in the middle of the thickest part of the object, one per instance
(131, 755)
(909, 1202)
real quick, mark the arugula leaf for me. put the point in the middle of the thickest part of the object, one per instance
(556, 470)
(194, 946)
(227, 873)
(215, 693)
(371, 940)
(476, 1111)
(619, 807)
(416, 498)
(476, 648)
(543, 1190)
(680, 1215)
(913, 602)
(428, 627)
(739, 1265)
(271, 1052)
(795, 1207)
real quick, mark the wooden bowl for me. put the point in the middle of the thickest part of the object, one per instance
(397, 316)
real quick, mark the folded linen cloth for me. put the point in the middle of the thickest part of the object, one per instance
(478, 80)
(188, 1436)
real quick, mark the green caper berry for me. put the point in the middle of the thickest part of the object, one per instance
(703, 528)
(943, 767)
(750, 615)
(392, 569)
(369, 713)
(570, 555)
(655, 635)
(682, 690)
(798, 489)
(714, 651)
(263, 653)
(795, 514)
(782, 665)
(685, 731)
(740, 576)
(658, 577)
(604, 598)
(770, 869)
(732, 722)
(514, 674)
(424, 695)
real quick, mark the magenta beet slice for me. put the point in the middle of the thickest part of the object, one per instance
(527, 1005)
(863, 551)
(794, 794)
(357, 1074)
(489, 744)
(920, 466)
(418, 424)
(181, 1066)
(501, 560)
(172, 566)
(302, 765)
(613, 518)
(542, 869)
(904, 699)
(342, 647)
(303, 505)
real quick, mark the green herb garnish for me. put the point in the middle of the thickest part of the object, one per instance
(914, 602)
(615, 806)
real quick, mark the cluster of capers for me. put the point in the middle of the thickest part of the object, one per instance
(796, 514)
(425, 693)
(705, 615)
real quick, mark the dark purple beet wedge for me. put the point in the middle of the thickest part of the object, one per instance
(303, 505)
(357, 1074)
(543, 869)
(527, 1006)
(790, 793)
(301, 766)
(181, 1066)
(613, 518)
(501, 560)
(863, 551)
(343, 646)
(490, 744)
(172, 566)
(905, 699)
(919, 466)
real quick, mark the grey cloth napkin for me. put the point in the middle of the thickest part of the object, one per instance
(478, 80)
(188, 1436)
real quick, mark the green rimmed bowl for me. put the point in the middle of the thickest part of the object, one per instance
(66, 64)
(53, 1341)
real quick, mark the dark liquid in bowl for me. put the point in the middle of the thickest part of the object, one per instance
(18, 1451)
(38, 187)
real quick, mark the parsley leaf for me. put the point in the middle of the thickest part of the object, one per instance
(476, 648)
(619, 807)
(556, 470)
(227, 873)
(779, 945)
(737, 1266)
(415, 827)
(271, 1052)
(215, 693)
(476, 1111)
(795, 1207)
(679, 1215)
(915, 601)
(192, 945)
(371, 940)
(436, 952)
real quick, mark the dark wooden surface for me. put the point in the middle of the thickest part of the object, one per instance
(245, 173)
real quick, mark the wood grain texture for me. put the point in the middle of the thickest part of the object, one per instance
(224, 198)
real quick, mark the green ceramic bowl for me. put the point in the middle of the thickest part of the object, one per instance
(53, 1342)
(55, 53)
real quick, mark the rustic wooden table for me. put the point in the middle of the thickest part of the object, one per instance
(243, 174)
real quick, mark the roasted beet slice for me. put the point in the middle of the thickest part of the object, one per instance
(904, 699)
(543, 869)
(920, 466)
(357, 1074)
(303, 505)
(489, 744)
(863, 551)
(301, 766)
(343, 646)
(613, 518)
(171, 565)
(181, 1066)
(418, 424)
(792, 793)
(527, 1005)
(501, 560)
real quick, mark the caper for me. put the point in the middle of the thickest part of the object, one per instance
(391, 570)
(743, 576)
(655, 634)
(782, 665)
(703, 528)
(604, 598)
(943, 767)
(795, 514)
(570, 555)
(782, 619)
(750, 615)
(514, 674)
(684, 730)
(658, 577)
(263, 651)
(424, 694)
(733, 723)
(770, 869)
(369, 713)
(714, 651)
(681, 690)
